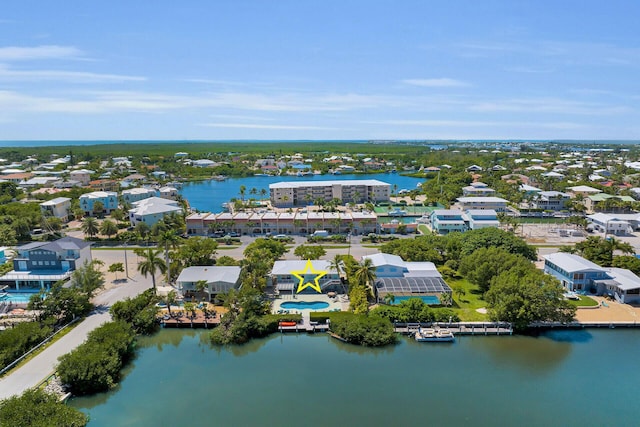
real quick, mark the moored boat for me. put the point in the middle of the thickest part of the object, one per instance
(434, 335)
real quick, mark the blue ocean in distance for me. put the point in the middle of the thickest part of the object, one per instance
(66, 143)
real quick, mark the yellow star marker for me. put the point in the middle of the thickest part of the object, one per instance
(308, 270)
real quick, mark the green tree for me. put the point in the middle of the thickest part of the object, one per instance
(62, 303)
(171, 299)
(365, 275)
(116, 267)
(525, 295)
(37, 408)
(272, 247)
(7, 235)
(142, 230)
(627, 261)
(87, 278)
(226, 260)
(108, 228)
(486, 263)
(358, 299)
(310, 252)
(168, 240)
(151, 264)
(90, 226)
(473, 240)
(98, 208)
(198, 251)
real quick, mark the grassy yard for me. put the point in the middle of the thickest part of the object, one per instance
(466, 305)
(584, 301)
(424, 229)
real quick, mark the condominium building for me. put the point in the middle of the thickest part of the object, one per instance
(301, 193)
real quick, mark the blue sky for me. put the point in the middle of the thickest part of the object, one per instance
(296, 69)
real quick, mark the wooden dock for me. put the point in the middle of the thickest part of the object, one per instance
(459, 328)
(198, 321)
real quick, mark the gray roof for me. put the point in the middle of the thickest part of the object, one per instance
(625, 279)
(212, 274)
(572, 263)
(64, 243)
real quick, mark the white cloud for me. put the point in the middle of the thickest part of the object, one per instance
(21, 53)
(439, 82)
(7, 74)
(262, 126)
(547, 105)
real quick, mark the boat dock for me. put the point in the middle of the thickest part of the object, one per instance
(459, 328)
(306, 325)
(199, 321)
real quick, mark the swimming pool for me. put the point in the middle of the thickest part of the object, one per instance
(428, 299)
(304, 305)
(16, 297)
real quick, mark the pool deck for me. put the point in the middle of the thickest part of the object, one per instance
(335, 304)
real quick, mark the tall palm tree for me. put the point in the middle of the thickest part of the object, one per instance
(151, 263)
(263, 192)
(108, 228)
(242, 192)
(169, 240)
(90, 226)
(365, 274)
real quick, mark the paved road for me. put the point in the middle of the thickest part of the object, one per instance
(41, 366)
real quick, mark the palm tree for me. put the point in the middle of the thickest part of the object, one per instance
(365, 274)
(242, 192)
(90, 226)
(170, 299)
(389, 299)
(618, 245)
(169, 240)
(151, 264)
(263, 192)
(108, 228)
(395, 191)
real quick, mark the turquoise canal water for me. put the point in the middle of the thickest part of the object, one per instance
(564, 378)
(208, 196)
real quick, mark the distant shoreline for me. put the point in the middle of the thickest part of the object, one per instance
(67, 143)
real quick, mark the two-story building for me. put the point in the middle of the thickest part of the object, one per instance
(108, 199)
(218, 279)
(152, 210)
(550, 201)
(38, 265)
(58, 207)
(445, 221)
(498, 204)
(483, 218)
(81, 175)
(478, 189)
(133, 195)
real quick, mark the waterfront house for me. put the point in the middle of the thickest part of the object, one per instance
(579, 274)
(109, 200)
(168, 192)
(38, 265)
(603, 202)
(152, 210)
(283, 280)
(550, 201)
(58, 207)
(219, 279)
(405, 279)
(583, 190)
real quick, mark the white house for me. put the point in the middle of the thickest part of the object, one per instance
(152, 210)
(218, 279)
(58, 207)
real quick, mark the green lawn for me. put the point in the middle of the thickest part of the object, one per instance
(584, 301)
(424, 229)
(467, 304)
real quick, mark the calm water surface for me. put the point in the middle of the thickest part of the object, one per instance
(565, 378)
(208, 196)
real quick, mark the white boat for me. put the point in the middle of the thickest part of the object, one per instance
(397, 212)
(434, 335)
